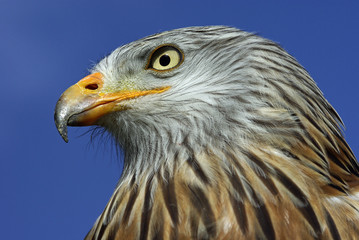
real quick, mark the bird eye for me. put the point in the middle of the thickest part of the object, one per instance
(165, 58)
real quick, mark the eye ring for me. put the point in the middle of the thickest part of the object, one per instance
(165, 58)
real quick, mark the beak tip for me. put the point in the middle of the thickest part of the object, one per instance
(64, 136)
(63, 132)
(61, 125)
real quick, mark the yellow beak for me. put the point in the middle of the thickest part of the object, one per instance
(84, 103)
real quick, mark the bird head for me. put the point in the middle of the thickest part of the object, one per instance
(203, 85)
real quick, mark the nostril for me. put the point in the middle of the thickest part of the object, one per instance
(93, 86)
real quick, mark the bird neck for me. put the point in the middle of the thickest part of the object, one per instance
(213, 189)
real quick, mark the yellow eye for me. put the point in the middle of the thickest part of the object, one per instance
(165, 58)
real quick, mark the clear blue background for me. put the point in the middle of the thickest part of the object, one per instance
(53, 190)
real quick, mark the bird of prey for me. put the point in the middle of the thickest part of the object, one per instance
(225, 136)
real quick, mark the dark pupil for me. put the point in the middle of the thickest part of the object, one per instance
(165, 60)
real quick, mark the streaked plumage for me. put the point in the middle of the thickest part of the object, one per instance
(235, 141)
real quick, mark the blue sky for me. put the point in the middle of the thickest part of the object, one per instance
(53, 190)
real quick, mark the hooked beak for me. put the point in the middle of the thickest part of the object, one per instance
(84, 103)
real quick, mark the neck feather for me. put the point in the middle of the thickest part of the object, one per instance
(178, 186)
